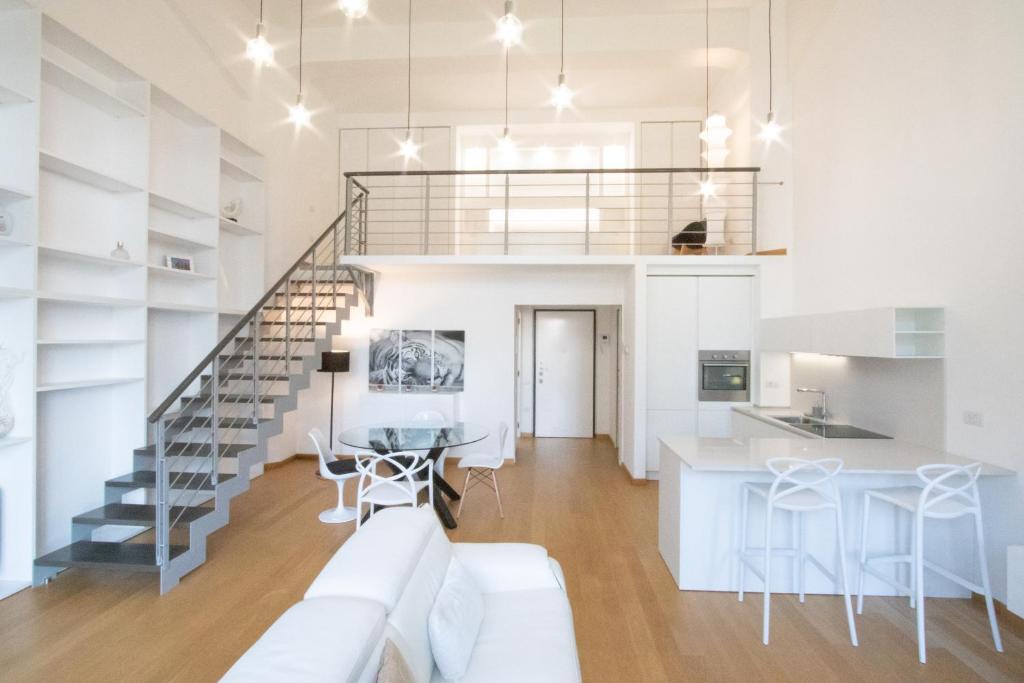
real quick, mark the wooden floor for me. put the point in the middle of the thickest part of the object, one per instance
(569, 495)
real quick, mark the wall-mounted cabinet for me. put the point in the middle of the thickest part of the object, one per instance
(103, 178)
(874, 333)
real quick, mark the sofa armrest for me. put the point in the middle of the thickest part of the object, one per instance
(502, 567)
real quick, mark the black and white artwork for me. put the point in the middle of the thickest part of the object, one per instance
(449, 360)
(417, 360)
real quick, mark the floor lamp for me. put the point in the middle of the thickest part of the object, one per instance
(333, 362)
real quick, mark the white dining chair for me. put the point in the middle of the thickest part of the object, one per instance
(409, 474)
(432, 417)
(949, 492)
(481, 468)
(800, 487)
(338, 471)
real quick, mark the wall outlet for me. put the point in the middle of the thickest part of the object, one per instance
(974, 419)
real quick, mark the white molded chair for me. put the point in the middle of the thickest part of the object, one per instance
(949, 492)
(800, 487)
(409, 474)
(481, 469)
(338, 471)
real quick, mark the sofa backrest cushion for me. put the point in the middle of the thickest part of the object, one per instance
(409, 617)
(321, 640)
(377, 561)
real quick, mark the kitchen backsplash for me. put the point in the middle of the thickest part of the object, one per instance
(904, 399)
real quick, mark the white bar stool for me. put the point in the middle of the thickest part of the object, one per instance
(800, 486)
(950, 491)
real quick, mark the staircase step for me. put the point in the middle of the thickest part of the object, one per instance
(248, 356)
(130, 514)
(184, 481)
(294, 340)
(204, 422)
(196, 450)
(104, 555)
(204, 398)
(242, 376)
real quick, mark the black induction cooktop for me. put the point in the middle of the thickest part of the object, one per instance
(839, 431)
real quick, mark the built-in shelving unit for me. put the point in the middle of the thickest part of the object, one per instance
(95, 156)
(20, 34)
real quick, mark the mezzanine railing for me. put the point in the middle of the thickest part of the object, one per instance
(637, 211)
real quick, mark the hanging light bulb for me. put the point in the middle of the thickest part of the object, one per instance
(257, 49)
(561, 96)
(298, 114)
(510, 29)
(354, 9)
(506, 144)
(770, 130)
(707, 188)
(408, 147)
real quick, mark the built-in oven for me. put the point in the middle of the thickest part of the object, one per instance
(724, 375)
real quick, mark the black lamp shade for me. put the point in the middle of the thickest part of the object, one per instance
(334, 361)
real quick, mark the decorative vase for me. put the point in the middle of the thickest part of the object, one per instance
(6, 414)
(7, 365)
(120, 252)
(6, 223)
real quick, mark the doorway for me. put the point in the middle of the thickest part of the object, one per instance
(564, 373)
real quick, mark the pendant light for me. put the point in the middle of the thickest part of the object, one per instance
(258, 50)
(506, 144)
(297, 113)
(561, 96)
(354, 9)
(510, 29)
(715, 132)
(770, 131)
(408, 147)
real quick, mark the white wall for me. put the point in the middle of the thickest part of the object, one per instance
(907, 189)
(479, 300)
(605, 361)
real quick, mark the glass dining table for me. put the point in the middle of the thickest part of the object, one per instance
(392, 437)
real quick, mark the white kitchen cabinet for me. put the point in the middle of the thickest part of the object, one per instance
(871, 333)
(666, 423)
(672, 343)
(726, 313)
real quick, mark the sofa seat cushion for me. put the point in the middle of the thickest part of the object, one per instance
(525, 636)
(320, 640)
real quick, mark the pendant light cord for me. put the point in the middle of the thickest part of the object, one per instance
(259, 26)
(771, 84)
(506, 88)
(408, 79)
(301, 28)
(562, 68)
(707, 59)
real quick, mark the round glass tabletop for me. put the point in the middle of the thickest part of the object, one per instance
(412, 436)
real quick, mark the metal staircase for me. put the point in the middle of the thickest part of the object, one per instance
(213, 428)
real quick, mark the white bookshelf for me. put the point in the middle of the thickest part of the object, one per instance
(97, 155)
(20, 36)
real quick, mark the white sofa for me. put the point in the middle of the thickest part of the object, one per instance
(382, 584)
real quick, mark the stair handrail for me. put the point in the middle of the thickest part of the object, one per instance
(363, 284)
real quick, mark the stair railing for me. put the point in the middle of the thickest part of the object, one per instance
(187, 462)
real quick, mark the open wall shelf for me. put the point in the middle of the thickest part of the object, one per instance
(95, 155)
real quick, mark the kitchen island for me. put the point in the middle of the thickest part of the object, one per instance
(699, 506)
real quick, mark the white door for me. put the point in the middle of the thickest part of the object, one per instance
(726, 313)
(564, 374)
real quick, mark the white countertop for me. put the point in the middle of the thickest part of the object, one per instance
(860, 456)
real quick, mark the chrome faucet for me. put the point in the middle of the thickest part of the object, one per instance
(818, 412)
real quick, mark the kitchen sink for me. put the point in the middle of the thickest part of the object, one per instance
(796, 419)
(827, 430)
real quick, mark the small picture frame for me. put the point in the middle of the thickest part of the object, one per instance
(183, 263)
